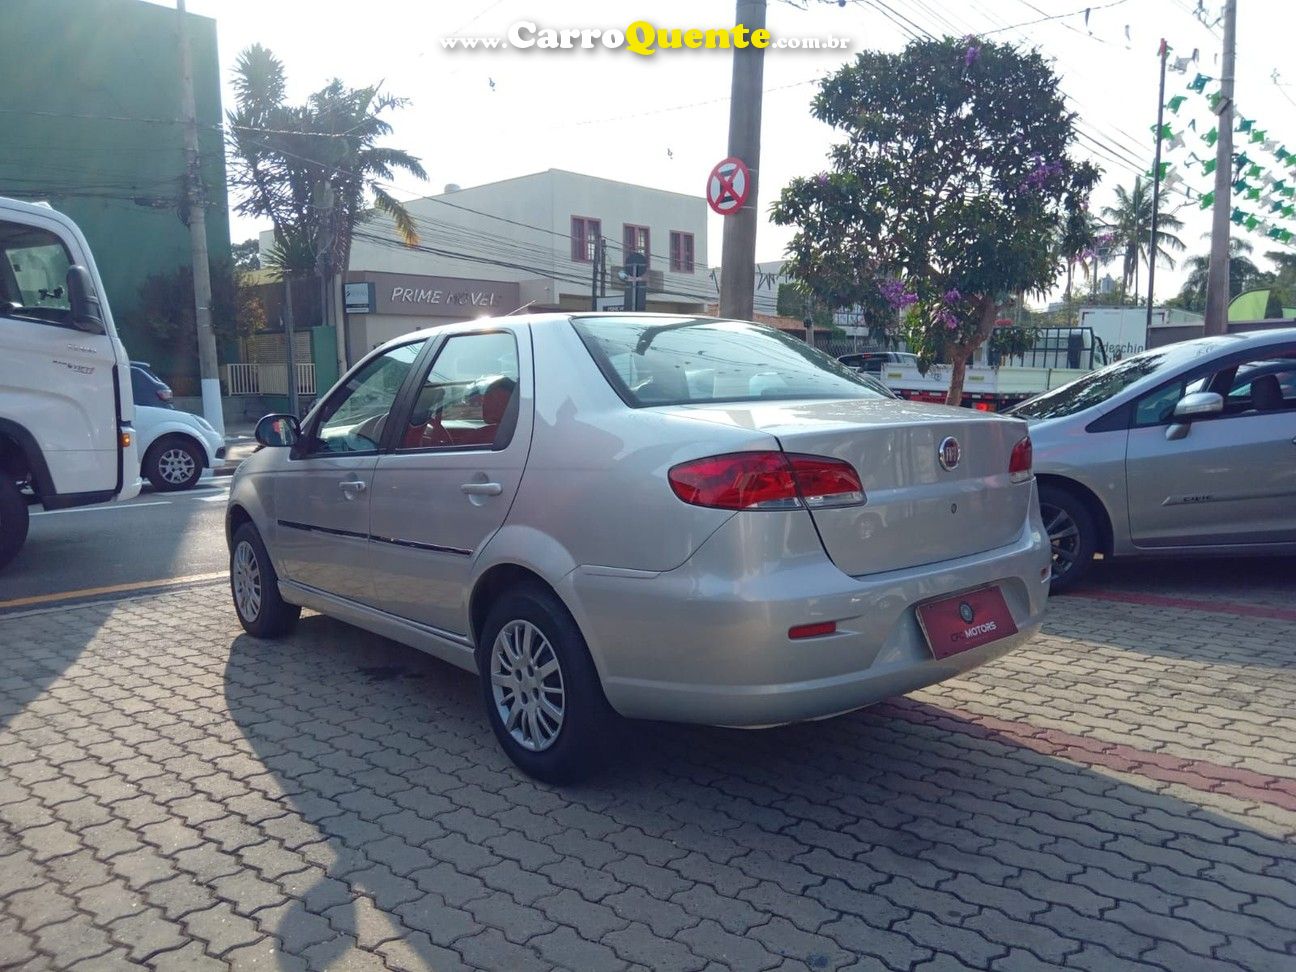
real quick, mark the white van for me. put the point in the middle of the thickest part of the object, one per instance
(65, 388)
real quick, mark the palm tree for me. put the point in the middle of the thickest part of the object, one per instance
(1242, 271)
(1131, 220)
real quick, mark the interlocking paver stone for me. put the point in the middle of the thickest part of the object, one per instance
(1117, 794)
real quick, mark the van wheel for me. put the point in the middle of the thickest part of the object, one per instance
(13, 520)
(255, 587)
(1072, 535)
(542, 693)
(173, 464)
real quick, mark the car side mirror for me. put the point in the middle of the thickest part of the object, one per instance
(278, 431)
(1193, 406)
(87, 315)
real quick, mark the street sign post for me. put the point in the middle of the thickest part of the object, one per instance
(635, 269)
(728, 186)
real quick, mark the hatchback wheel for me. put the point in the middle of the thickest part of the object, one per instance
(255, 587)
(1072, 536)
(173, 464)
(542, 693)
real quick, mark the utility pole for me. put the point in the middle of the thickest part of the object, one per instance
(738, 257)
(595, 256)
(1217, 279)
(1156, 190)
(324, 248)
(208, 369)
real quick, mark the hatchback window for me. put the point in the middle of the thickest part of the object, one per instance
(353, 418)
(676, 361)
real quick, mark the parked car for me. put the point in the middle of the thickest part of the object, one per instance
(65, 420)
(642, 516)
(177, 445)
(873, 362)
(1184, 449)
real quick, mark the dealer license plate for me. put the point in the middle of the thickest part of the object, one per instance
(965, 621)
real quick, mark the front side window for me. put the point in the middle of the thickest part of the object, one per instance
(675, 361)
(469, 399)
(353, 418)
(33, 275)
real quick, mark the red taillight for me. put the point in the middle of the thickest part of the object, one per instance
(766, 481)
(1019, 465)
(816, 630)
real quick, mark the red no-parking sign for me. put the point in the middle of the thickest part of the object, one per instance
(728, 186)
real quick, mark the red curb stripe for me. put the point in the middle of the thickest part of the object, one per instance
(1199, 774)
(1190, 604)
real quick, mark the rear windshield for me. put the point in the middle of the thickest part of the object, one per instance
(683, 360)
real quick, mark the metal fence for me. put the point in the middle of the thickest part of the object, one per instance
(267, 379)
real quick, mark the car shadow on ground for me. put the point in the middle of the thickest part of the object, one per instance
(879, 833)
(1241, 579)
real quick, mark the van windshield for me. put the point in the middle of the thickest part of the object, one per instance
(33, 274)
(683, 360)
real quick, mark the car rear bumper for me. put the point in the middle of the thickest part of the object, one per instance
(699, 644)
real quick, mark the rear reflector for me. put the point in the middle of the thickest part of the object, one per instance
(766, 481)
(1019, 465)
(816, 630)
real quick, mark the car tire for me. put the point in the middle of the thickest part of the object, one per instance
(174, 464)
(254, 586)
(1073, 536)
(531, 646)
(13, 521)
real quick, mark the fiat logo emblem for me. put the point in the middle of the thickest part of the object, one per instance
(950, 452)
(966, 612)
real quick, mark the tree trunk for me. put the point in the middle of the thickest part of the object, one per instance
(960, 354)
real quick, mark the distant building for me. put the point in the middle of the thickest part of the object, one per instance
(91, 125)
(528, 243)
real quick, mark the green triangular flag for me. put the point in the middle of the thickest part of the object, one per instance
(1253, 193)
(1289, 192)
(1288, 212)
(1198, 83)
(1254, 172)
(1164, 133)
(1207, 199)
(1286, 236)
(1251, 222)
(1237, 216)
(1257, 136)
(1282, 153)
(1174, 103)
(1245, 124)
(1241, 186)
(1275, 233)
(1211, 137)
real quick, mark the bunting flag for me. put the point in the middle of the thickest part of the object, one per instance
(1244, 124)
(1211, 137)
(1209, 166)
(1175, 103)
(1207, 200)
(1180, 64)
(1253, 171)
(1257, 137)
(1198, 83)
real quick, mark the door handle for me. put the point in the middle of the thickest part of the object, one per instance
(356, 486)
(481, 489)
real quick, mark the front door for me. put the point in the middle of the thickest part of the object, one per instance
(1232, 479)
(57, 379)
(447, 484)
(322, 499)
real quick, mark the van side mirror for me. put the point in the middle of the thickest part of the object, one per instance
(87, 315)
(277, 431)
(1192, 406)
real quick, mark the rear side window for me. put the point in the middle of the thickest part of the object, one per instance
(33, 275)
(682, 360)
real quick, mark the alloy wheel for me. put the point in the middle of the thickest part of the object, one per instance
(176, 466)
(527, 685)
(1064, 537)
(247, 581)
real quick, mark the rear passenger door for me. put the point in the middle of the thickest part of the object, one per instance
(447, 480)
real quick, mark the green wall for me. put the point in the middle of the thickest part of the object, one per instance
(89, 109)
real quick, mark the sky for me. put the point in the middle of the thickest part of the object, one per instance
(662, 121)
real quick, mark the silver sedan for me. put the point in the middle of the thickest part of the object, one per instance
(1185, 449)
(647, 517)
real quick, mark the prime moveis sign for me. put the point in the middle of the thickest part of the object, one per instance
(441, 296)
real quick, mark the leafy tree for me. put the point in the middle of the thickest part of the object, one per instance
(166, 308)
(1131, 224)
(952, 189)
(793, 301)
(314, 170)
(1243, 275)
(247, 255)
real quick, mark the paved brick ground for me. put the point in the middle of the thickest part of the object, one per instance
(176, 795)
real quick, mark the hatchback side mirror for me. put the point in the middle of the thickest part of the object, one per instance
(87, 315)
(1193, 406)
(278, 431)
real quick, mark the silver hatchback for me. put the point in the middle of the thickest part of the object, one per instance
(1185, 449)
(641, 516)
